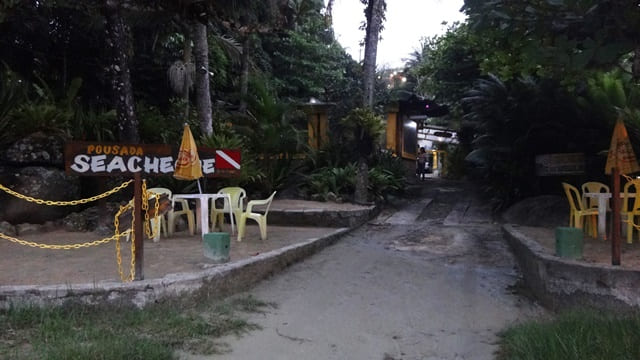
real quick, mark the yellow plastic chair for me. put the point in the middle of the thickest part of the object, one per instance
(578, 212)
(594, 187)
(157, 224)
(260, 218)
(237, 195)
(630, 206)
(174, 214)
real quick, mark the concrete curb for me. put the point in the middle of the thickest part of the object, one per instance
(563, 283)
(215, 281)
(320, 217)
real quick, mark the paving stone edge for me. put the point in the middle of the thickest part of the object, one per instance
(561, 283)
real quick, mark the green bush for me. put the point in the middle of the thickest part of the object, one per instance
(387, 175)
(383, 182)
(577, 335)
(330, 183)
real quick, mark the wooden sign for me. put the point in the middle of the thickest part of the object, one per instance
(560, 164)
(113, 159)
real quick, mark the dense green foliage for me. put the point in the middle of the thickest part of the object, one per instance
(577, 335)
(55, 80)
(533, 77)
(553, 38)
(447, 66)
(521, 78)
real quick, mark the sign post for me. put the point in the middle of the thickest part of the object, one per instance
(137, 226)
(615, 218)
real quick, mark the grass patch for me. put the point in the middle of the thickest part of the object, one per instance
(108, 332)
(583, 335)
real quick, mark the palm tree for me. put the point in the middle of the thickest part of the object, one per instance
(118, 41)
(374, 14)
(203, 95)
(181, 73)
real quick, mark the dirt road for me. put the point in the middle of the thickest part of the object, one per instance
(431, 280)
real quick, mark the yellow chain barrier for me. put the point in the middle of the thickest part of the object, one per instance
(116, 221)
(149, 233)
(61, 247)
(145, 207)
(65, 203)
(630, 220)
(116, 236)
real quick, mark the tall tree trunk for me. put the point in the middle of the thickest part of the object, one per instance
(186, 60)
(635, 67)
(244, 75)
(361, 192)
(118, 41)
(203, 96)
(374, 14)
(328, 14)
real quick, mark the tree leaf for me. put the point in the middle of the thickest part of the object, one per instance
(556, 2)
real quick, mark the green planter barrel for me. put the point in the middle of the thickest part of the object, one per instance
(569, 242)
(216, 246)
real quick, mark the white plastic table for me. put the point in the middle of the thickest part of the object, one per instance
(202, 208)
(603, 198)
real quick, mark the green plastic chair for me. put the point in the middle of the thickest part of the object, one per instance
(237, 195)
(260, 218)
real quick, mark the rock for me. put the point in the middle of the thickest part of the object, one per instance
(542, 211)
(7, 228)
(92, 219)
(77, 222)
(49, 226)
(40, 183)
(26, 229)
(37, 149)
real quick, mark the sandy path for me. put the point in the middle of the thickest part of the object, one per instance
(393, 291)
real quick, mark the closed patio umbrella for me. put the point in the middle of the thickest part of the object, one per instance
(621, 154)
(620, 160)
(188, 165)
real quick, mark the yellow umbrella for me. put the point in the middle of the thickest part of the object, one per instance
(621, 154)
(188, 164)
(620, 160)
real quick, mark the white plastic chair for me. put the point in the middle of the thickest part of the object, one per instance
(237, 196)
(260, 218)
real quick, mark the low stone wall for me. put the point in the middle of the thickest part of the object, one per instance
(215, 281)
(563, 283)
(218, 280)
(322, 217)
